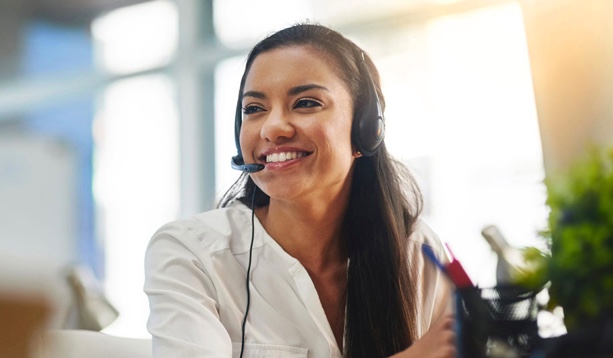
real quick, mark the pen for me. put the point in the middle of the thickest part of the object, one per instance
(453, 269)
(456, 272)
(429, 253)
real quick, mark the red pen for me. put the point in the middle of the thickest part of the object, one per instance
(456, 272)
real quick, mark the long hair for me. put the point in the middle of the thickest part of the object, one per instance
(381, 309)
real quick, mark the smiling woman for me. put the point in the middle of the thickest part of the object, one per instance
(316, 250)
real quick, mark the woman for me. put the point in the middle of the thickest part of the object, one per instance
(321, 229)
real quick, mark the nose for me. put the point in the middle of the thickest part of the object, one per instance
(277, 128)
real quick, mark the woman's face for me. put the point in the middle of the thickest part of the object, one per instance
(297, 121)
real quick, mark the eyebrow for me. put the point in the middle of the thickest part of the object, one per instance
(303, 88)
(292, 91)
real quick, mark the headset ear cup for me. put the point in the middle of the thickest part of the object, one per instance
(368, 129)
(369, 133)
(377, 131)
(369, 126)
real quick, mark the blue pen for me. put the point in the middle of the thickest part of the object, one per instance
(459, 303)
(427, 250)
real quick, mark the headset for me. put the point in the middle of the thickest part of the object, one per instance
(367, 133)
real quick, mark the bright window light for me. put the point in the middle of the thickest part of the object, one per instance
(462, 114)
(229, 74)
(136, 181)
(137, 37)
(242, 23)
(136, 186)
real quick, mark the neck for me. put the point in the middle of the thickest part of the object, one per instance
(309, 232)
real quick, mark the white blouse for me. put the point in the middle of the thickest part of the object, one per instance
(195, 272)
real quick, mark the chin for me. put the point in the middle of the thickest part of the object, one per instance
(281, 192)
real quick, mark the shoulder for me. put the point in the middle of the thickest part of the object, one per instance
(210, 231)
(433, 291)
(424, 235)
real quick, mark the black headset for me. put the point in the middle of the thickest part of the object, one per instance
(367, 129)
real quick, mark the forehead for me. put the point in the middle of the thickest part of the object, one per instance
(298, 64)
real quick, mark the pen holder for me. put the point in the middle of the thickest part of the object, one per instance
(496, 322)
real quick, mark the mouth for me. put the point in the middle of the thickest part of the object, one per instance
(284, 156)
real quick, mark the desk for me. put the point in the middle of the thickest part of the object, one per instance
(21, 318)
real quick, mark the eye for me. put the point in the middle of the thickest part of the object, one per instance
(307, 103)
(251, 109)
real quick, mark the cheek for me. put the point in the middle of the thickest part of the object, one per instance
(246, 139)
(336, 138)
(342, 133)
(344, 122)
(249, 133)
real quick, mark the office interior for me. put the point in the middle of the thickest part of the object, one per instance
(116, 116)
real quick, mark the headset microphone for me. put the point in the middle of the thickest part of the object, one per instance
(238, 164)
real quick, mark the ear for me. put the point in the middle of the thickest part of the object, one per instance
(357, 154)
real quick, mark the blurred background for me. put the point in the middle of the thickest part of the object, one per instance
(116, 116)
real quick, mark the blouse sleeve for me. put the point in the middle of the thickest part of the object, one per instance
(434, 291)
(184, 319)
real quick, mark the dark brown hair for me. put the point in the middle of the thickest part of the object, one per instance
(384, 202)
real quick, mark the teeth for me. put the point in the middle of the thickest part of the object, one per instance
(281, 157)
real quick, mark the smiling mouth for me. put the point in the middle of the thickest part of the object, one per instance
(284, 156)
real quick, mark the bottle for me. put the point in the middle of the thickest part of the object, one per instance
(510, 259)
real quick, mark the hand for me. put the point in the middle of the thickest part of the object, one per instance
(438, 342)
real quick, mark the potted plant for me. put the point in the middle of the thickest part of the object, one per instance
(580, 267)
